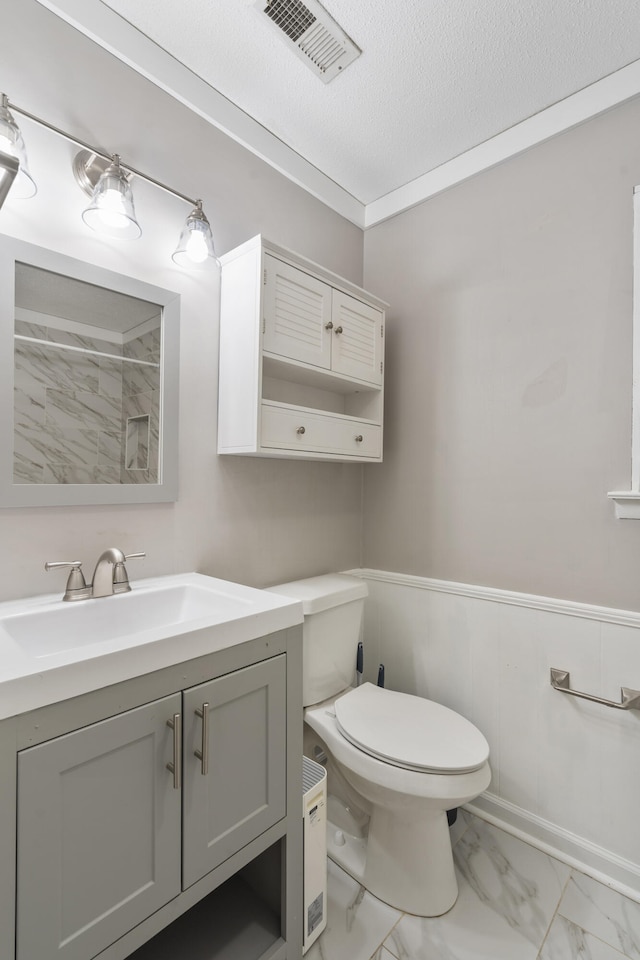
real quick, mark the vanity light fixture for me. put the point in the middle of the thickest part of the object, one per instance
(103, 177)
(11, 142)
(196, 241)
(111, 210)
(8, 170)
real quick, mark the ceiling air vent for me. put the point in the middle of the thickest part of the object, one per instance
(309, 30)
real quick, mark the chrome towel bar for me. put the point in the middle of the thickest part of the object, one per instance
(629, 699)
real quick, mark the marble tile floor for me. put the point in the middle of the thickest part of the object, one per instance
(515, 903)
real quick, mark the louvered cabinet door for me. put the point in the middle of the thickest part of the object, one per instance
(98, 833)
(297, 314)
(358, 339)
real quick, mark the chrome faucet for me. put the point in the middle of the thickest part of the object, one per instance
(109, 577)
(110, 574)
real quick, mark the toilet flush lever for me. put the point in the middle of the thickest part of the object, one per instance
(629, 699)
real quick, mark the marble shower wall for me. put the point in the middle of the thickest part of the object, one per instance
(565, 771)
(71, 409)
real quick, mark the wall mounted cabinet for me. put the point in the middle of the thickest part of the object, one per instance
(301, 359)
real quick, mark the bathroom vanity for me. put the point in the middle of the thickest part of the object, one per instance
(152, 782)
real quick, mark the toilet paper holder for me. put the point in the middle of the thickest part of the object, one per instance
(629, 699)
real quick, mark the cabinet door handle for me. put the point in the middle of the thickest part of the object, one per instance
(203, 753)
(338, 330)
(329, 326)
(175, 766)
(359, 438)
(301, 430)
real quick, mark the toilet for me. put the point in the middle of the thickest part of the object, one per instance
(400, 761)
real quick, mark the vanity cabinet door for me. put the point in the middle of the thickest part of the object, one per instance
(98, 833)
(239, 790)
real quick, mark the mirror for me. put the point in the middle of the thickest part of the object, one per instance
(89, 380)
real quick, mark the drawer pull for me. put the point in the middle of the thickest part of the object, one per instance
(338, 330)
(301, 430)
(175, 765)
(203, 753)
(359, 438)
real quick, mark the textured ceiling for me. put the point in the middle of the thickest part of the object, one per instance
(436, 77)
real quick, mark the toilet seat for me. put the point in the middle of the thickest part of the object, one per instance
(409, 732)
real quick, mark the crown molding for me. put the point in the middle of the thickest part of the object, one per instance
(114, 34)
(595, 99)
(108, 29)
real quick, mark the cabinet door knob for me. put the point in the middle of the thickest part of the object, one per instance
(338, 330)
(203, 753)
(329, 326)
(359, 438)
(301, 430)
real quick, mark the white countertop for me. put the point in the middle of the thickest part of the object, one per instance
(33, 675)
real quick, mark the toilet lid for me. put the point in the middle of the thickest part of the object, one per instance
(409, 731)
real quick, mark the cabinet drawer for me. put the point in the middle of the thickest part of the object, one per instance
(289, 429)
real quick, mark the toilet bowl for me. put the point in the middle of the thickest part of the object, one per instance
(406, 760)
(407, 860)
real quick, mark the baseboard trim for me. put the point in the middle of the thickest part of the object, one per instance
(570, 608)
(594, 861)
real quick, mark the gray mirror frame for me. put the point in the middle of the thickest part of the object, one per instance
(76, 494)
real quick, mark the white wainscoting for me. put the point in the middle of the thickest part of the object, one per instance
(566, 772)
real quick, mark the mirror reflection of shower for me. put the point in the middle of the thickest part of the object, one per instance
(87, 371)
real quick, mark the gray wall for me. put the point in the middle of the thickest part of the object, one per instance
(257, 521)
(508, 397)
(508, 354)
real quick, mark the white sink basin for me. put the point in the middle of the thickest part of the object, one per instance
(82, 623)
(51, 650)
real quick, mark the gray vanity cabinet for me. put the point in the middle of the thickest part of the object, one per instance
(234, 789)
(98, 833)
(123, 819)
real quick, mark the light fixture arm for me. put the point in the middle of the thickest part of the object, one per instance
(98, 152)
(102, 176)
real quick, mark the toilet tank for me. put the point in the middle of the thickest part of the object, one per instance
(333, 605)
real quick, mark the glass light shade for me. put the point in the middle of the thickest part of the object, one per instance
(11, 142)
(195, 246)
(111, 210)
(8, 171)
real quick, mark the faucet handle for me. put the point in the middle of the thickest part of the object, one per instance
(76, 588)
(120, 576)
